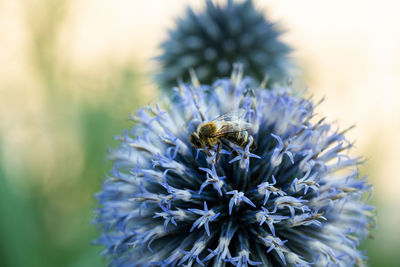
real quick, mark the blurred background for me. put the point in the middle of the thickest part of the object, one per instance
(73, 70)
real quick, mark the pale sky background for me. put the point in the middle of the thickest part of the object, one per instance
(349, 52)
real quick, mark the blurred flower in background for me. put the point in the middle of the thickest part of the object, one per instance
(212, 40)
(65, 63)
(57, 121)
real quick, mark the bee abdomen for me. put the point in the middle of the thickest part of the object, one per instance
(241, 139)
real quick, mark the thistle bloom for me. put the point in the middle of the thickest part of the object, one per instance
(211, 41)
(296, 200)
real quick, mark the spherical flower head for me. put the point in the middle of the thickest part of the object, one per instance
(296, 199)
(211, 41)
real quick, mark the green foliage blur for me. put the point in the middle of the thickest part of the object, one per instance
(45, 221)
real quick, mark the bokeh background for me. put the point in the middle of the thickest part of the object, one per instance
(71, 71)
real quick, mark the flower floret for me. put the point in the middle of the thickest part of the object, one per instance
(206, 217)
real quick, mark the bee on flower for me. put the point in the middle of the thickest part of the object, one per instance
(221, 177)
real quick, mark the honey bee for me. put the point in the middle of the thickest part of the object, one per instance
(229, 126)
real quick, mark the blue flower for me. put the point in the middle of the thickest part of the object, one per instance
(211, 41)
(297, 199)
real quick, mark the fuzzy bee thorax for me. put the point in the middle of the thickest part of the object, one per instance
(206, 130)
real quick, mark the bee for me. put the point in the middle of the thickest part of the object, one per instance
(228, 127)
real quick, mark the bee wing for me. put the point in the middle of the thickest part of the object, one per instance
(231, 116)
(231, 122)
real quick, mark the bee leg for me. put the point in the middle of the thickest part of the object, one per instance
(234, 152)
(225, 143)
(213, 157)
(218, 153)
(207, 150)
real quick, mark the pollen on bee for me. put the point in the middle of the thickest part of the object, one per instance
(207, 129)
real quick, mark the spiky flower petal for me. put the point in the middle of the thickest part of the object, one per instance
(296, 200)
(211, 41)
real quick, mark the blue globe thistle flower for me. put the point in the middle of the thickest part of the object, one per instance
(211, 41)
(296, 200)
